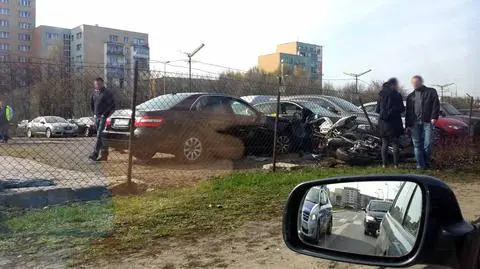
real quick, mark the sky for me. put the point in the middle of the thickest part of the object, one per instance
(438, 39)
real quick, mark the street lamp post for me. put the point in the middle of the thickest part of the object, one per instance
(442, 89)
(190, 55)
(165, 76)
(356, 76)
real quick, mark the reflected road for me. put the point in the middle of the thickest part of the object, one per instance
(348, 234)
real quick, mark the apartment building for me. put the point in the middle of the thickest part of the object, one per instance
(297, 56)
(17, 22)
(95, 50)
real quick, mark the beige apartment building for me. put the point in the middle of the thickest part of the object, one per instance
(296, 56)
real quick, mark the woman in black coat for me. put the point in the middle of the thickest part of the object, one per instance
(390, 107)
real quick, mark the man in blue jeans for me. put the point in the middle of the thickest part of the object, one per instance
(423, 110)
(103, 105)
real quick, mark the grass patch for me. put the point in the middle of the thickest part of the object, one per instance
(216, 206)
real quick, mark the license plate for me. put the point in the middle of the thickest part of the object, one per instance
(120, 122)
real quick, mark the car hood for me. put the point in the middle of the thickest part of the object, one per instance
(60, 124)
(376, 214)
(451, 121)
(465, 118)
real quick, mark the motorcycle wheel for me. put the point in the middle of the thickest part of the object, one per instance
(354, 158)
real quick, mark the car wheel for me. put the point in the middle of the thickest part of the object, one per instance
(192, 149)
(87, 132)
(29, 133)
(48, 133)
(284, 144)
(329, 228)
(366, 232)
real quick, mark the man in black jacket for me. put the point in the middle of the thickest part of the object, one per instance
(103, 105)
(423, 110)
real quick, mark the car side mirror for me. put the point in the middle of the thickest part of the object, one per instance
(42, 122)
(433, 226)
(442, 113)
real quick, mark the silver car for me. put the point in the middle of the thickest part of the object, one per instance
(50, 126)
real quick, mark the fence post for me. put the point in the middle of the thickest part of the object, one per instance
(470, 129)
(275, 128)
(132, 123)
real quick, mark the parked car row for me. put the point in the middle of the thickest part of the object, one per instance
(54, 126)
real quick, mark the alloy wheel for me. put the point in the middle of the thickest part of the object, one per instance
(192, 149)
(283, 144)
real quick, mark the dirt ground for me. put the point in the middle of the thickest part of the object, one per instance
(260, 245)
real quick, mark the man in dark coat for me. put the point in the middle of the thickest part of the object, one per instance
(103, 105)
(423, 110)
(390, 107)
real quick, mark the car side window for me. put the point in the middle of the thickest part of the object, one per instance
(400, 205)
(241, 109)
(265, 108)
(371, 108)
(414, 213)
(212, 104)
(323, 198)
(290, 109)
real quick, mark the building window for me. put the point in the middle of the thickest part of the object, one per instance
(25, 25)
(53, 36)
(4, 1)
(4, 11)
(113, 38)
(4, 35)
(24, 14)
(4, 23)
(24, 37)
(25, 3)
(78, 58)
(3, 58)
(139, 41)
(79, 47)
(78, 35)
(24, 47)
(4, 46)
(125, 40)
(23, 59)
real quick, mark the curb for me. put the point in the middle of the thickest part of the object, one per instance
(45, 196)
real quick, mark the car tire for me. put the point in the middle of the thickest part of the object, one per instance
(329, 228)
(284, 144)
(366, 232)
(87, 132)
(48, 133)
(192, 149)
(29, 133)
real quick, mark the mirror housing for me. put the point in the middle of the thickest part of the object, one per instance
(440, 235)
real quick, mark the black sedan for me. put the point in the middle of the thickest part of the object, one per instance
(448, 110)
(195, 126)
(86, 126)
(294, 108)
(338, 106)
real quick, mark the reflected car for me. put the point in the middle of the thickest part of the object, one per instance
(50, 126)
(316, 219)
(400, 226)
(374, 213)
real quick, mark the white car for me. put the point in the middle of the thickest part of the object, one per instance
(50, 126)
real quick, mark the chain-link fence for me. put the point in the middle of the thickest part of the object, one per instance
(162, 127)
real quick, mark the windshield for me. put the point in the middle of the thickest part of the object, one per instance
(344, 104)
(54, 120)
(313, 195)
(163, 102)
(379, 206)
(450, 110)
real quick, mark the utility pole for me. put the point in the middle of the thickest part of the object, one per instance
(356, 76)
(190, 55)
(281, 87)
(165, 76)
(442, 89)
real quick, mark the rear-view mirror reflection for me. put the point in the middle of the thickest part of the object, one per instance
(377, 218)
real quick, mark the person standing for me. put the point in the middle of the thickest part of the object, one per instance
(6, 114)
(102, 105)
(390, 108)
(423, 110)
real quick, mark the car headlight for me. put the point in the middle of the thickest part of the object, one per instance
(370, 218)
(455, 127)
(314, 217)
